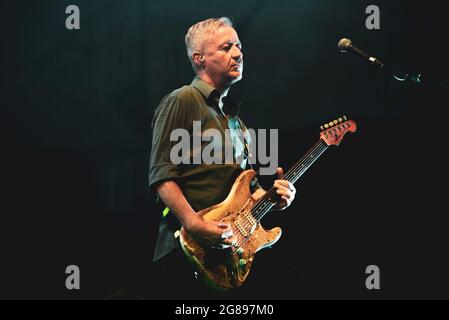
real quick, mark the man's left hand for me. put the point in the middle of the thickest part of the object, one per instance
(284, 189)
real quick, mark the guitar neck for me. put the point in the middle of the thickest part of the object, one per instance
(306, 161)
(266, 202)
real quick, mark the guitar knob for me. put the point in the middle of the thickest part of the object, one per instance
(322, 128)
(344, 118)
(242, 262)
(326, 126)
(331, 124)
(340, 120)
(335, 122)
(240, 251)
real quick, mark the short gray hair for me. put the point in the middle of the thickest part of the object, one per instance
(197, 33)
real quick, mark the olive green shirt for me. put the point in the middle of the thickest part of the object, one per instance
(202, 184)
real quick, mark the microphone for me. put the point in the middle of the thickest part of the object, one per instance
(346, 45)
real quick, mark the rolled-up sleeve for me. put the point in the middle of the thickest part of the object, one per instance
(172, 113)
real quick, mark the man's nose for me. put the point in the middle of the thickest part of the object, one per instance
(237, 54)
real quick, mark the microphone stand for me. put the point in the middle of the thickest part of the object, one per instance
(345, 45)
(417, 78)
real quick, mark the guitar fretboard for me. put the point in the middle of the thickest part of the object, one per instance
(266, 202)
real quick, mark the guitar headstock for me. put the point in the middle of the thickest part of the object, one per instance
(333, 132)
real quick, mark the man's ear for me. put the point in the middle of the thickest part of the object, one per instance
(198, 59)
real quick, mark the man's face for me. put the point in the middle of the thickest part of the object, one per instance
(223, 57)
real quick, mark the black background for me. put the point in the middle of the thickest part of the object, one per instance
(76, 111)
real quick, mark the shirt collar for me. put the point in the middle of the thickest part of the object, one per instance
(231, 106)
(205, 88)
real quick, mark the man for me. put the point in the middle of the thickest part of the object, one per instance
(215, 52)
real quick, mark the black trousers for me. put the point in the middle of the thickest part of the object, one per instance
(174, 278)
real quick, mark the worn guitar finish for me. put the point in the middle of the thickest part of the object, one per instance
(229, 268)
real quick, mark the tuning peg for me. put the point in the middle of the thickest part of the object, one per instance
(340, 120)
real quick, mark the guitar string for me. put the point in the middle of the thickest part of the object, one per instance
(291, 173)
(310, 151)
(300, 165)
(296, 169)
(266, 206)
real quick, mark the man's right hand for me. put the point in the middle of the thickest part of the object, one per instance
(208, 233)
(211, 234)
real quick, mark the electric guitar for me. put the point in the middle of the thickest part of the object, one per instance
(228, 268)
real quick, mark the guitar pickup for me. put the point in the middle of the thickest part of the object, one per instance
(250, 218)
(240, 228)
